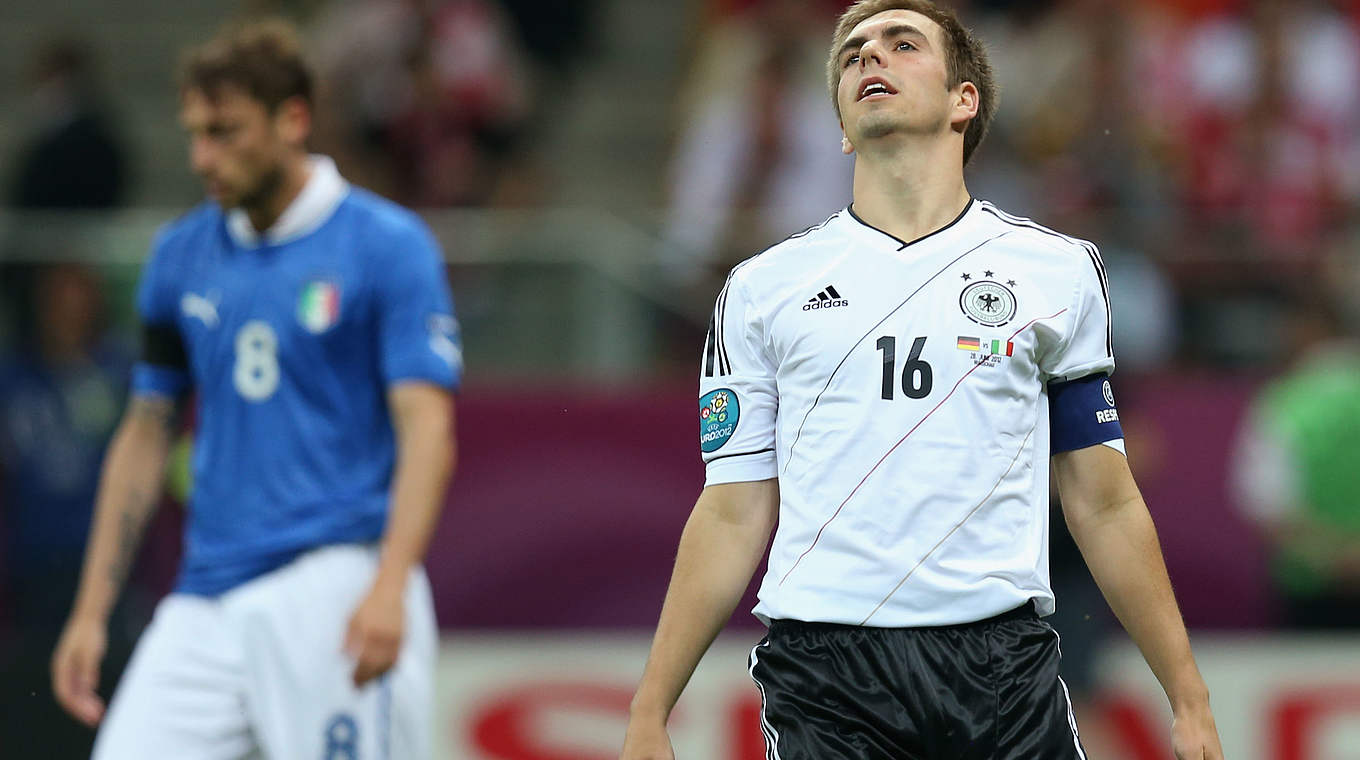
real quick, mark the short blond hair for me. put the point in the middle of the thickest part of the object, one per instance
(965, 58)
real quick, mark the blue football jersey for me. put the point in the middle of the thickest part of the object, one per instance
(291, 345)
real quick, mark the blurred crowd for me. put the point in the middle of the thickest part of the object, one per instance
(434, 103)
(1211, 148)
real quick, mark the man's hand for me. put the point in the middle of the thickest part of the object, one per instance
(422, 416)
(1194, 735)
(374, 635)
(647, 740)
(75, 668)
(721, 546)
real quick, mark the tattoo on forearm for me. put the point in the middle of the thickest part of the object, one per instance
(130, 525)
(154, 408)
(147, 414)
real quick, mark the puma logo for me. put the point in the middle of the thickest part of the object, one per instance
(194, 305)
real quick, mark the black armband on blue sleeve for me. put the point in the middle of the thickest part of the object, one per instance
(1081, 413)
(162, 346)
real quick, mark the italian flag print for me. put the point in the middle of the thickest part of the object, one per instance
(993, 346)
(319, 306)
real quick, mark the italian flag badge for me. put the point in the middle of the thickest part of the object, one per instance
(319, 306)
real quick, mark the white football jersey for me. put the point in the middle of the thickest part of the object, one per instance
(898, 391)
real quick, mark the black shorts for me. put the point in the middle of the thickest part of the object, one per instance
(981, 691)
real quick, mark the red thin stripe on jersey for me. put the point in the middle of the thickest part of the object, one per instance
(818, 537)
(1032, 321)
(900, 441)
(799, 435)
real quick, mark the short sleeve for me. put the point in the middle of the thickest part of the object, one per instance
(162, 369)
(417, 331)
(155, 294)
(1086, 347)
(738, 400)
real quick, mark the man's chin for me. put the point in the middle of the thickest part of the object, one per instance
(875, 127)
(221, 194)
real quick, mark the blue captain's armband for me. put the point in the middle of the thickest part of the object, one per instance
(1081, 413)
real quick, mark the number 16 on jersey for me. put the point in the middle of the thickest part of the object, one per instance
(917, 377)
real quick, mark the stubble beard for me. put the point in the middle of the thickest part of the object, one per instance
(261, 194)
(876, 125)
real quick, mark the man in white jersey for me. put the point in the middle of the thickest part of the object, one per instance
(889, 387)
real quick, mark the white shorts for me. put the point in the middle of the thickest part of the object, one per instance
(260, 672)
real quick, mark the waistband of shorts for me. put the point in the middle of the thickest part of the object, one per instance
(1025, 611)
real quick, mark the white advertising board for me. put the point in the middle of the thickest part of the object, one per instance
(564, 696)
(1274, 698)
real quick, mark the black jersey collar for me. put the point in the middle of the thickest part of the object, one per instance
(902, 244)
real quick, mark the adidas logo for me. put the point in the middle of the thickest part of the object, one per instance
(827, 299)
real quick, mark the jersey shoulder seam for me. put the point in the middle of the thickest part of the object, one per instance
(1036, 232)
(1075, 247)
(188, 223)
(382, 215)
(794, 241)
(719, 362)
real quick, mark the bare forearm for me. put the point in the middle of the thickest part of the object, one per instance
(425, 464)
(129, 490)
(1121, 548)
(715, 561)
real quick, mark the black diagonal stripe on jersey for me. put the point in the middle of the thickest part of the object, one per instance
(818, 537)
(953, 530)
(833, 292)
(717, 358)
(797, 436)
(1091, 250)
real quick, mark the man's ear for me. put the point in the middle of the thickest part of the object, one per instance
(966, 105)
(293, 120)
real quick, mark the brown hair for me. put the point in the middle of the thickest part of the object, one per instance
(965, 58)
(262, 58)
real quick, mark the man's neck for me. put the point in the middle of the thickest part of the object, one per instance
(266, 213)
(909, 190)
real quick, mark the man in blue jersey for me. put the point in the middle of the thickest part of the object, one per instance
(313, 325)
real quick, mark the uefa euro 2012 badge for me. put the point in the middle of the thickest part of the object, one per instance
(718, 412)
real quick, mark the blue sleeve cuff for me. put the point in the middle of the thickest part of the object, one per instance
(423, 369)
(1082, 413)
(157, 380)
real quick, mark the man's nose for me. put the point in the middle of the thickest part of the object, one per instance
(871, 50)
